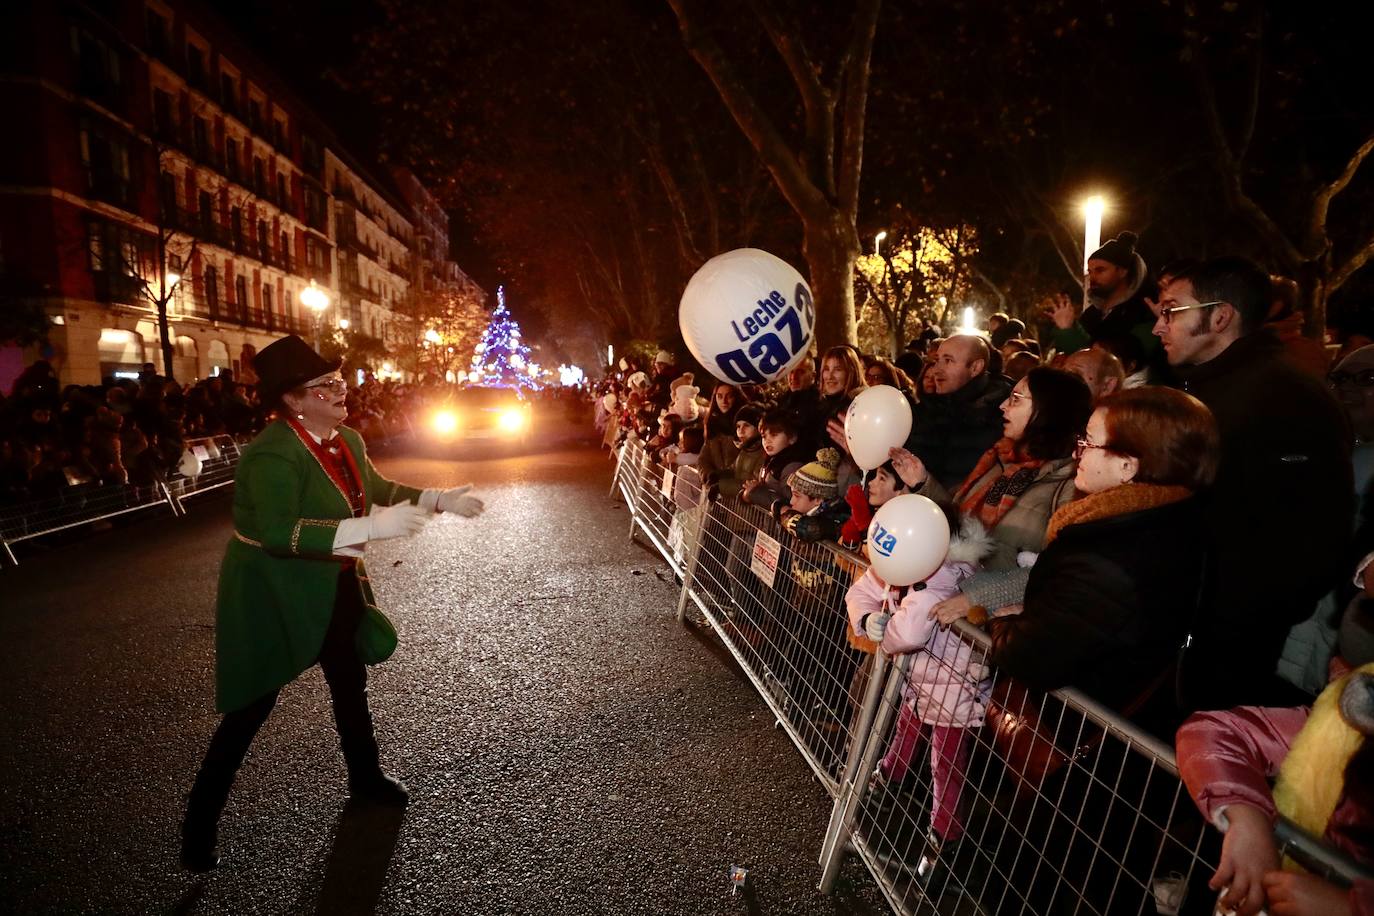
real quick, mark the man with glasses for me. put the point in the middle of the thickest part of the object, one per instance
(1280, 512)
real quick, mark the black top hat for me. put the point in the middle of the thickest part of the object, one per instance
(284, 364)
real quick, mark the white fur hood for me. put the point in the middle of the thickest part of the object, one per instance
(972, 544)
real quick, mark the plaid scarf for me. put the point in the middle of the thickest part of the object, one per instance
(991, 500)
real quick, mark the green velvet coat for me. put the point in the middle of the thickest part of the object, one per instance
(278, 581)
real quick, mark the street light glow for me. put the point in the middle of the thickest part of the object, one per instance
(343, 324)
(173, 279)
(1093, 208)
(432, 336)
(878, 241)
(314, 298)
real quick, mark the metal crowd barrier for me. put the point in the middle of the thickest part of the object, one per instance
(960, 791)
(85, 504)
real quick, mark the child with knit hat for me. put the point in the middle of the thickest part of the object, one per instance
(815, 512)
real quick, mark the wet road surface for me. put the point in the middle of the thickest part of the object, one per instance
(569, 748)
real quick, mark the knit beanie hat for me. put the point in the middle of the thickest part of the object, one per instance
(818, 478)
(1119, 251)
(749, 413)
(663, 356)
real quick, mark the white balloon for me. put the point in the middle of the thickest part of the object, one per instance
(190, 464)
(907, 539)
(747, 316)
(877, 421)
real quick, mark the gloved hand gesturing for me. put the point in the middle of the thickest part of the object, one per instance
(458, 501)
(400, 520)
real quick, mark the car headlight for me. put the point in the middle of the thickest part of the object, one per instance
(444, 422)
(511, 420)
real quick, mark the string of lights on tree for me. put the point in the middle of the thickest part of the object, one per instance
(500, 359)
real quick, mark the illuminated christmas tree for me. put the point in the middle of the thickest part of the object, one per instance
(500, 358)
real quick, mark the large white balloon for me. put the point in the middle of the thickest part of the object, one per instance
(747, 316)
(907, 539)
(877, 421)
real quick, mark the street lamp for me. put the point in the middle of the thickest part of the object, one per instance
(878, 241)
(317, 300)
(1092, 226)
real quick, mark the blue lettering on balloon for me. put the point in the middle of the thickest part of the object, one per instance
(882, 540)
(738, 369)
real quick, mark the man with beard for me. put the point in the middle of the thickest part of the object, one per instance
(1119, 288)
(1280, 512)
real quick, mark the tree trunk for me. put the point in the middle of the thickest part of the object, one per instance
(831, 249)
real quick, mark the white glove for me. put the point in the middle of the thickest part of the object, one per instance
(457, 501)
(398, 521)
(875, 625)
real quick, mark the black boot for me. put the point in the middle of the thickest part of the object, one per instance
(215, 778)
(378, 788)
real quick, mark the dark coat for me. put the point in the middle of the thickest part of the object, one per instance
(1280, 514)
(1107, 604)
(950, 432)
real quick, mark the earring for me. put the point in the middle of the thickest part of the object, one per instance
(300, 416)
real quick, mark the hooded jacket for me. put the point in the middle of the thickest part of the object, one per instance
(944, 686)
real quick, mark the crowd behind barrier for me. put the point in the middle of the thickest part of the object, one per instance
(1040, 803)
(82, 455)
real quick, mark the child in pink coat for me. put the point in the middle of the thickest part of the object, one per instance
(947, 690)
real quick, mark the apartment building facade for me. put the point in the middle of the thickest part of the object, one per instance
(160, 160)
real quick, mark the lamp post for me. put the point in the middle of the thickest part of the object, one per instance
(317, 300)
(1092, 233)
(878, 241)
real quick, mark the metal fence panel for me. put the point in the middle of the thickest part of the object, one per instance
(1036, 803)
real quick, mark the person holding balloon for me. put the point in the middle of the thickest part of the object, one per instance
(920, 552)
(1108, 602)
(1027, 474)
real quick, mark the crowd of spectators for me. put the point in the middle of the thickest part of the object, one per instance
(1174, 483)
(58, 440)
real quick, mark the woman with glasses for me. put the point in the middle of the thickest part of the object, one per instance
(1018, 483)
(1110, 598)
(293, 591)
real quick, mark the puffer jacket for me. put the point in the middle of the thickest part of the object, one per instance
(945, 685)
(1228, 757)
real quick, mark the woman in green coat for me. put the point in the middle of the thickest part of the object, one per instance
(293, 590)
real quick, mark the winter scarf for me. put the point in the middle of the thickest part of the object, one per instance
(1119, 500)
(991, 501)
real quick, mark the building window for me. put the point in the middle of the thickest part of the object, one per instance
(231, 159)
(259, 176)
(282, 200)
(163, 124)
(167, 198)
(255, 115)
(267, 300)
(207, 210)
(212, 290)
(285, 251)
(106, 159)
(159, 33)
(98, 72)
(315, 208)
(200, 136)
(236, 227)
(228, 94)
(195, 67)
(264, 242)
(241, 294)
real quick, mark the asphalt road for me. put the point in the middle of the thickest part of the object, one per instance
(569, 748)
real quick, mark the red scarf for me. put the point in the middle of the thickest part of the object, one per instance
(989, 502)
(337, 461)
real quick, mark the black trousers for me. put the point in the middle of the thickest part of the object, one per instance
(346, 676)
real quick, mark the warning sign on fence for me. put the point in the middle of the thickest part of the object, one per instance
(764, 563)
